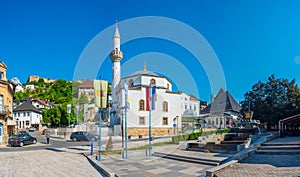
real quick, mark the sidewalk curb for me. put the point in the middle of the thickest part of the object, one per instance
(101, 167)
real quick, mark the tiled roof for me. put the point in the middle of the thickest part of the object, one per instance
(40, 101)
(26, 106)
(87, 84)
(224, 101)
(192, 97)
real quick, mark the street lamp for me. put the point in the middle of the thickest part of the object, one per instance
(174, 125)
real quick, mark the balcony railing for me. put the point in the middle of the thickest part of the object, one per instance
(4, 109)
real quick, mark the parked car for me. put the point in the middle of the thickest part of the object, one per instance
(21, 140)
(32, 129)
(82, 136)
(23, 132)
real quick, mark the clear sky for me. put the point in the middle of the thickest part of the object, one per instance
(252, 39)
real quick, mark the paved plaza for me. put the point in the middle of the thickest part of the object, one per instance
(45, 163)
(267, 165)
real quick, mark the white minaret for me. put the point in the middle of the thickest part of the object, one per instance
(116, 57)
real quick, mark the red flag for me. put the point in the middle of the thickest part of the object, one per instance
(150, 100)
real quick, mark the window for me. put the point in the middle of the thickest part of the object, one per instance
(141, 120)
(153, 82)
(130, 83)
(141, 105)
(165, 121)
(168, 86)
(195, 108)
(165, 106)
(24, 114)
(28, 114)
(1, 76)
(27, 122)
(185, 107)
(18, 114)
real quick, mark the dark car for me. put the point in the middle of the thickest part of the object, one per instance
(82, 136)
(21, 140)
(23, 132)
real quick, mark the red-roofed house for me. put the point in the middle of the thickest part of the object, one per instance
(87, 88)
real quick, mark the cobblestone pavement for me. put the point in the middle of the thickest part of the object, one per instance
(267, 165)
(140, 165)
(45, 163)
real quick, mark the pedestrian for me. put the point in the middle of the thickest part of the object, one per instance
(48, 137)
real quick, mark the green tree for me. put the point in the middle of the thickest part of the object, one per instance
(272, 100)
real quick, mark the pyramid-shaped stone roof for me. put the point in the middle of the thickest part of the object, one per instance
(223, 102)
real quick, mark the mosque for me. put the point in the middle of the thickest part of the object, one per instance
(170, 107)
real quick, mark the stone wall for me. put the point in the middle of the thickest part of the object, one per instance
(144, 131)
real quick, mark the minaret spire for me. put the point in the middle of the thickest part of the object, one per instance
(116, 38)
(145, 67)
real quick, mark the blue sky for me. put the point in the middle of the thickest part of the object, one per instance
(252, 39)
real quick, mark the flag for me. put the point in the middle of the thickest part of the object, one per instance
(68, 108)
(127, 100)
(150, 98)
(77, 107)
(85, 108)
(100, 87)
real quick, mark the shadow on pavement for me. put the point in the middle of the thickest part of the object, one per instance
(55, 150)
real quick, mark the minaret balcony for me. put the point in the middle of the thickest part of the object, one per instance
(116, 55)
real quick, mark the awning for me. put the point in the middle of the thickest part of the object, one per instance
(291, 119)
(11, 122)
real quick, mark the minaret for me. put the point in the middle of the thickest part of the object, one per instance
(115, 57)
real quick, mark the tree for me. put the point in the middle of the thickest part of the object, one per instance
(273, 100)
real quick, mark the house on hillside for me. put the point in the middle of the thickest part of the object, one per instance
(19, 86)
(7, 89)
(222, 112)
(38, 103)
(87, 88)
(27, 115)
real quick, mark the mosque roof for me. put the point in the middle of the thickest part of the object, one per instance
(143, 72)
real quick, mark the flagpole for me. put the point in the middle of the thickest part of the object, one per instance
(100, 135)
(125, 120)
(150, 134)
(126, 136)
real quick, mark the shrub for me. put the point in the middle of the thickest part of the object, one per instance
(175, 139)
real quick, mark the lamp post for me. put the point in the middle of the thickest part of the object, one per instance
(174, 125)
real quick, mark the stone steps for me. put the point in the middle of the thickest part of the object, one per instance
(279, 148)
(278, 152)
(280, 144)
(283, 147)
(203, 161)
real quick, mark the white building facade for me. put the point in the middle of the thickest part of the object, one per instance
(26, 115)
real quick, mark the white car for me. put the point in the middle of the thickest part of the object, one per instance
(32, 129)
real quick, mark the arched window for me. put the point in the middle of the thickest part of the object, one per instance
(141, 105)
(165, 106)
(153, 82)
(168, 87)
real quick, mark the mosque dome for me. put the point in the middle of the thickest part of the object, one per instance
(143, 72)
